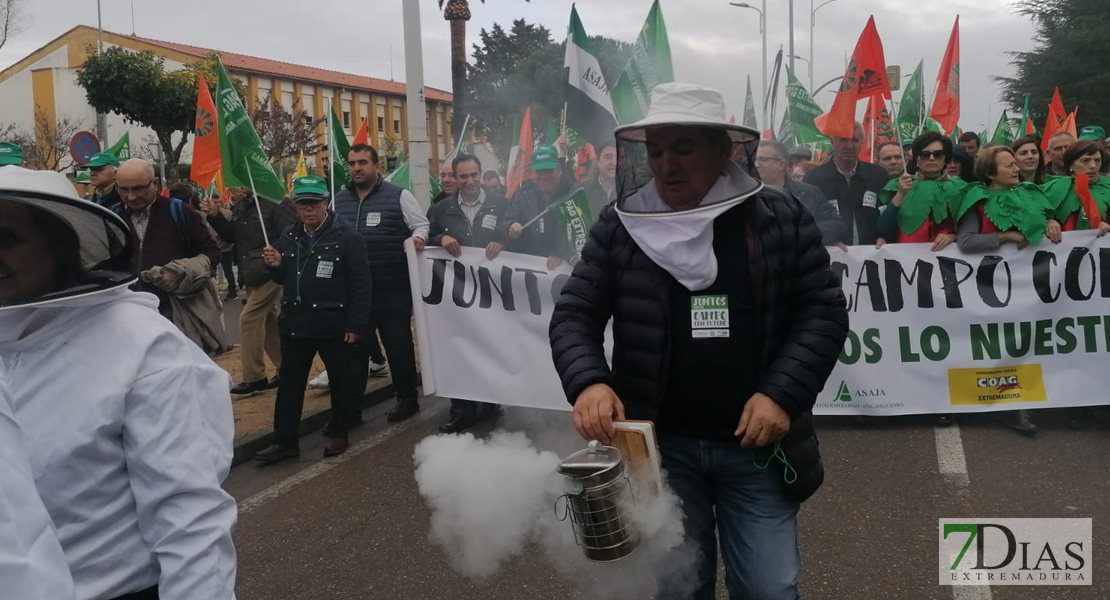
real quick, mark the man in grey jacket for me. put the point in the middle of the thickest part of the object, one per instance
(771, 161)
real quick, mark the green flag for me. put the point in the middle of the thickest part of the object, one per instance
(749, 108)
(1002, 134)
(801, 110)
(122, 148)
(401, 177)
(245, 164)
(338, 149)
(649, 65)
(576, 141)
(912, 110)
(786, 131)
(575, 219)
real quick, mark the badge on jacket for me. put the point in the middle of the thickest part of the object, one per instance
(709, 316)
(324, 269)
(489, 222)
(373, 219)
(836, 205)
(870, 199)
(539, 226)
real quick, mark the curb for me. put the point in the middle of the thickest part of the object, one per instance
(310, 422)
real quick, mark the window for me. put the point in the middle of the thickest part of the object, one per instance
(381, 124)
(397, 126)
(346, 119)
(308, 120)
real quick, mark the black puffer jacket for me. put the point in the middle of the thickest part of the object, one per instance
(801, 312)
(244, 229)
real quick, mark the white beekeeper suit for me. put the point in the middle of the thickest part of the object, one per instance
(31, 561)
(127, 424)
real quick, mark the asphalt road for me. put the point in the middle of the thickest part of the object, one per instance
(357, 527)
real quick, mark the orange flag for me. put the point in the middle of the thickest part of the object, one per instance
(877, 128)
(732, 119)
(946, 104)
(585, 155)
(206, 144)
(1029, 128)
(363, 135)
(1069, 124)
(522, 168)
(1057, 107)
(864, 78)
(1083, 190)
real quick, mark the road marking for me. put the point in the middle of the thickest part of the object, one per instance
(952, 465)
(318, 469)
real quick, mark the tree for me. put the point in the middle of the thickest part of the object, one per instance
(12, 20)
(458, 13)
(285, 134)
(523, 67)
(1070, 47)
(137, 86)
(46, 146)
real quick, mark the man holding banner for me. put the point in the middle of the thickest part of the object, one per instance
(726, 362)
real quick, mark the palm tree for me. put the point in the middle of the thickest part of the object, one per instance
(458, 13)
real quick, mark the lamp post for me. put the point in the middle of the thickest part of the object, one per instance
(812, 25)
(763, 32)
(808, 64)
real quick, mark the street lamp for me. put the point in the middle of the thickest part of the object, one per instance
(808, 64)
(812, 25)
(762, 31)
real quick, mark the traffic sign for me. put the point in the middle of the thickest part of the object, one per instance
(82, 146)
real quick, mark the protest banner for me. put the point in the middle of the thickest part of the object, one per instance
(940, 332)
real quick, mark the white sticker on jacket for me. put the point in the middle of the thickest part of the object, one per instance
(324, 269)
(373, 219)
(836, 205)
(489, 222)
(709, 316)
(870, 200)
(539, 226)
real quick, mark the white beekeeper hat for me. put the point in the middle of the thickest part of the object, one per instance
(686, 104)
(104, 237)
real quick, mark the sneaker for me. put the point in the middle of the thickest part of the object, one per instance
(273, 382)
(231, 296)
(320, 382)
(379, 369)
(250, 387)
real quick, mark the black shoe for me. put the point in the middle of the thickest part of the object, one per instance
(355, 424)
(275, 453)
(489, 413)
(251, 387)
(273, 383)
(403, 410)
(231, 296)
(944, 421)
(336, 446)
(1023, 424)
(458, 425)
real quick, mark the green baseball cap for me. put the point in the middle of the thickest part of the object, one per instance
(1093, 132)
(103, 159)
(310, 189)
(545, 158)
(10, 154)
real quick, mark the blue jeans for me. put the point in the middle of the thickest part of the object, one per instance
(723, 490)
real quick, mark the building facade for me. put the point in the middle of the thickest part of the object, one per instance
(45, 82)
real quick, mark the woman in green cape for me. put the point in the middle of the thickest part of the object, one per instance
(919, 207)
(1077, 198)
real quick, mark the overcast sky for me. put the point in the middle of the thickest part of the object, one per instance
(712, 43)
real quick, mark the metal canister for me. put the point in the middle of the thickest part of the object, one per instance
(599, 502)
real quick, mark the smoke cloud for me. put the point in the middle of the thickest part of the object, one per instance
(491, 498)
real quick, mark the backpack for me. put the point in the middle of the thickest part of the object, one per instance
(177, 213)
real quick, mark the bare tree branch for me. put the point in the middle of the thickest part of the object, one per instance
(12, 19)
(47, 145)
(285, 134)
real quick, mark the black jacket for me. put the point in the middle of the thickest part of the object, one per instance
(857, 201)
(490, 225)
(326, 285)
(800, 308)
(245, 231)
(544, 237)
(833, 229)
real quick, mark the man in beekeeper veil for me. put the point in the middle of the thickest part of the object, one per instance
(726, 322)
(127, 424)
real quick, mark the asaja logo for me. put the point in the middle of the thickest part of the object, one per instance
(847, 394)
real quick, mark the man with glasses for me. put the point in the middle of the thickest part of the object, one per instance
(164, 231)
(102, 176)
(770, 161)
(852, 187)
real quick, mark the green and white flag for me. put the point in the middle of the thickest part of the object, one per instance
(338, 149)
(801, 110)
(749, 108)
(912, 111)
(575, 219)
(1003, 136)
(401, 177)
(244, 162)
(589, 108)
(462, 145)
(785, 133)
(649, 65)
(122, 148)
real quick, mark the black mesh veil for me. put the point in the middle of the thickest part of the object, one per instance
(633, 172)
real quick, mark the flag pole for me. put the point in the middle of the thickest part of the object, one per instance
(894, 126)
(563, 122)
(331, 153)
(258, 207)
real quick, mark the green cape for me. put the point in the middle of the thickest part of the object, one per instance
(1024, 208)
(1060, 192)
(926, 198)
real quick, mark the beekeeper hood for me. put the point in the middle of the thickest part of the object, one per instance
(675, 177)
(102, 236)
